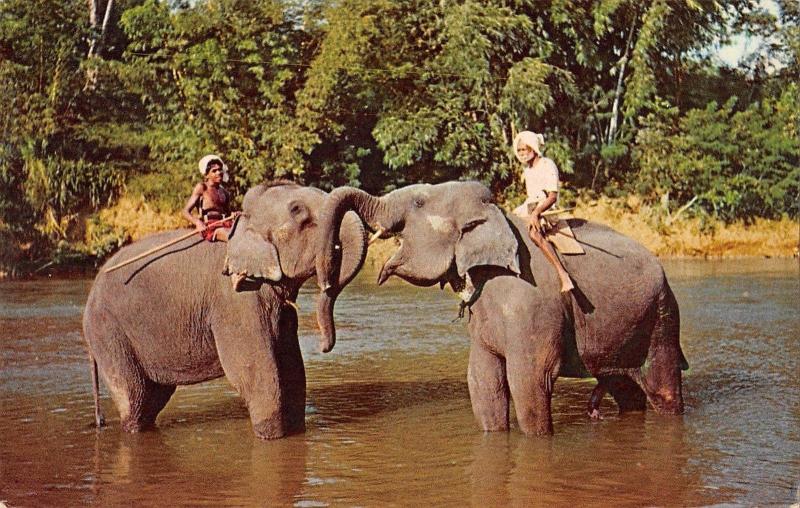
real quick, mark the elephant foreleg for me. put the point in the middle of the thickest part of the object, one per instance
(248, 353)
(292, 372)
(532, 391)
(488, 390)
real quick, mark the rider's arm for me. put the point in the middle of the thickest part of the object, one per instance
(197, 193)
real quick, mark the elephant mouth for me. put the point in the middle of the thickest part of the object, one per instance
(243, 281)
(396, 266)
(406, 265)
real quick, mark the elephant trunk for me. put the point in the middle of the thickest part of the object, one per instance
(325, 320)
(351, 253)
(372, 210)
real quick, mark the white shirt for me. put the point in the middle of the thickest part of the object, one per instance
(540, 179)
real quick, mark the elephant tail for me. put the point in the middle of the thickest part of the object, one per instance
(684, 362)
(99, 419)
(670, 314)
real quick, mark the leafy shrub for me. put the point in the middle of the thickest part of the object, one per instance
(738, 164)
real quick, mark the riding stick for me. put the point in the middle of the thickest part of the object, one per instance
(164, 246)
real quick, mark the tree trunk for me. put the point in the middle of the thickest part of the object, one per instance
(97, 40)
(623, 63)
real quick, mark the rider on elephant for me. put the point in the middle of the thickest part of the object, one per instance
(212, 200)
(541, 184)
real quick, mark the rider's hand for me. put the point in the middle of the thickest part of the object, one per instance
(536, 223)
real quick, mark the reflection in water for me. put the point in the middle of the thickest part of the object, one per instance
(187, 469)
(389, 419)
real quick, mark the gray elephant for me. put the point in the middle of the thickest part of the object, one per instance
(173, 319)
(621, 324)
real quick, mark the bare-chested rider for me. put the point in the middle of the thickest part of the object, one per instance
(212, 200)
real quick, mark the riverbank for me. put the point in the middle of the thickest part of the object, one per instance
(668, 236)
(671, 236)
(674, 236)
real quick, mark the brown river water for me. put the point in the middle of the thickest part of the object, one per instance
(388, 416)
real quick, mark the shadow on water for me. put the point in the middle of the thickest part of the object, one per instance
(331, 405)
(344, 403)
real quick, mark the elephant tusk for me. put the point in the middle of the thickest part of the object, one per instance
(293, 305)
(377, 234)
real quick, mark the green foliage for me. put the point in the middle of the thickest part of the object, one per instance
(382, 93)
(743, 164)
(49, 172)
(217, 77)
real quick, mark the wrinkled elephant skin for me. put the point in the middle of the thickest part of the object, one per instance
(174, 319)
(620, 325)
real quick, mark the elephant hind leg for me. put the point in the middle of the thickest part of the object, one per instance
(665, 360)
(145, 399)
(138, 399)
(628, 395)
(663, 385)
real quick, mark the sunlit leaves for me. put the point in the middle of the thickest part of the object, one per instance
(740, 164)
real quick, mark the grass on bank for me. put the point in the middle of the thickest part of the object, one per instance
(669, 236)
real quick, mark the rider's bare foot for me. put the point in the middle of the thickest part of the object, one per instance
(566, 284)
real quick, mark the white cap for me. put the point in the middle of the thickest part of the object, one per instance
(531, 139)
(207, 160)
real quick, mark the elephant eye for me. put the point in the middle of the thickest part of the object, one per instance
(295, 208)
(419, 202)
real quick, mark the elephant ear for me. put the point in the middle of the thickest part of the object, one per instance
(250, 253)
(487, 240)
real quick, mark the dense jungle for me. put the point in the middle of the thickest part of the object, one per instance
(108, 105)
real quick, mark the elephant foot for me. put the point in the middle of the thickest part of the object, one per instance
(537, 430)
(597, 395)
(269, 429)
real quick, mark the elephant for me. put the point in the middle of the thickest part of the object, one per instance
(173, 318)
(619, 325)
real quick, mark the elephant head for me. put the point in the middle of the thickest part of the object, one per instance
(444, 230)
(274, 238)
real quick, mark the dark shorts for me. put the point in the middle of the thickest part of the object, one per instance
(208, 232)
